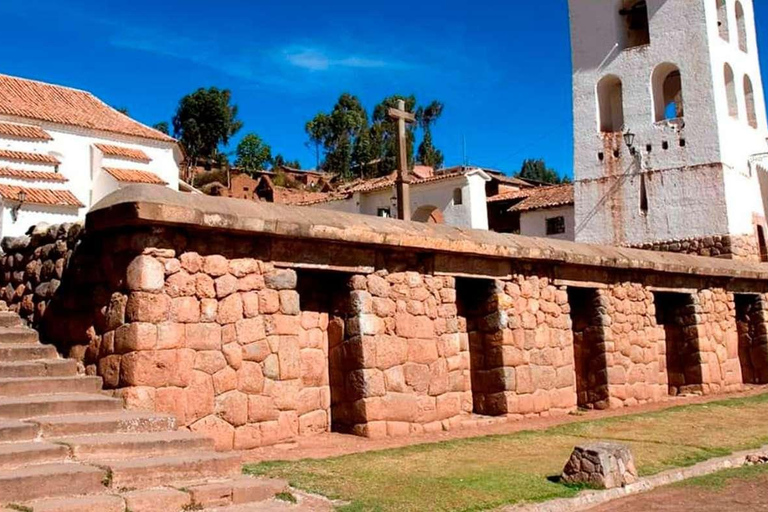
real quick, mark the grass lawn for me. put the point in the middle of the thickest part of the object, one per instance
(487, 472)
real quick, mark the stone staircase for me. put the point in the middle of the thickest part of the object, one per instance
(65, 446)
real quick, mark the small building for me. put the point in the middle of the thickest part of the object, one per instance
(546, 211)
(456, 197)
(63, 149)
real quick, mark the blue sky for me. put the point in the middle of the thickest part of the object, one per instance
(501, 68)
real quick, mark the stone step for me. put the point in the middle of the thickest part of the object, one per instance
(104, 423)
(14, 455)
(49, 385)
(8, 319)
(235, 491)
(12, 431)
(99, 503)
(18, 335)
(120, 446)
(155, 471)
(38, 368)
(50, 480)
(49, 405)
(10, 352)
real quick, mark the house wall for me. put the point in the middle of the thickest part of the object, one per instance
(81, 164)
(472, 213)
(534, 222)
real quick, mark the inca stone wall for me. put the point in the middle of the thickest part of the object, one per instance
(261, 327)
(742, 247)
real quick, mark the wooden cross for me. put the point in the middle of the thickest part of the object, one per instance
(403, 177)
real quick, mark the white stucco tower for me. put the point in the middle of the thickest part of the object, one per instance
(683, 76)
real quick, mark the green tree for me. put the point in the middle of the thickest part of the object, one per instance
(253, 154)
(338, 133)
(427, 116)
(162, 127)
(205, 120)
(280, 161)
(537, 170)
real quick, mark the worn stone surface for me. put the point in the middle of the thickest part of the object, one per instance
(602, 465)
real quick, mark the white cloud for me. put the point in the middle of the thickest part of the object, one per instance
(314, 59)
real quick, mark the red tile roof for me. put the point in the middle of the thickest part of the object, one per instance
(134, 176)
(511, 195)
(22, 131)
(22, 156)
(545, 197)
(121, 152)
(40, 196)
(24, 174)
(56, 104)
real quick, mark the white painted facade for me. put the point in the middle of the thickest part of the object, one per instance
(691, 176)
(82, 164)
(440, 194)
(534, 222)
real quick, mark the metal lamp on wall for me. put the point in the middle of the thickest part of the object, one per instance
(21, 198)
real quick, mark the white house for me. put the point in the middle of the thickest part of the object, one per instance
(544, 212)
(669, 126)
(456, 197)
(62, 150)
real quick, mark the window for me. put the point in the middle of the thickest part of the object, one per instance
(556, 226)
(384, 212)
(643, 196)
(730, 91)
(749, 100)
(722, 19)
(635, 15)
(741, 27)
(668, 92)
(458, 198)
(611, 104)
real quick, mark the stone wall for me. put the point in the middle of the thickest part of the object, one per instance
(751, 317)
(33, 267)
(271, 327)
(743, 247)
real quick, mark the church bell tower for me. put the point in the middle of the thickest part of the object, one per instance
(669, 126)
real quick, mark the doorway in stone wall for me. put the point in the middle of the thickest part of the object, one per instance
(326, 357)
(753, 339)
(479, 321)
(675, 312)
(591, 366)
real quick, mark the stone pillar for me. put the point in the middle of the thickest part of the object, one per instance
(635, 345)
(535, 350)
(414, 374)
(718, 341)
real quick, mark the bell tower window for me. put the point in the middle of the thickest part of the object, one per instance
(668, 92)
(635, 13)
(611, 104)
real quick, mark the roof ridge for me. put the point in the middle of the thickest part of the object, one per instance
(49, 84)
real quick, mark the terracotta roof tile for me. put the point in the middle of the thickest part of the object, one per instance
(23, 131)
(24, 174)
(134, 176)
(511, 195)
(22, 156)
(545, 197)
(56, 104)
(121, 152)
(40, 196)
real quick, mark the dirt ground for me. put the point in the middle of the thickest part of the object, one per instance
(749, 495)
(333, 445)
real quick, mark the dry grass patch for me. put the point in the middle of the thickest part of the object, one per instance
(487, 472)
